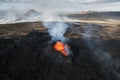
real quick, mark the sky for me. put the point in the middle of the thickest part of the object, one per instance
(61, 5)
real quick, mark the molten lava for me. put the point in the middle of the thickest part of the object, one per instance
(62, 48)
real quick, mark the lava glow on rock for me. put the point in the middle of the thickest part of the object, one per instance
(62, 48)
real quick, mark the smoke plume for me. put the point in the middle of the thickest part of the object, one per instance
(55, 25)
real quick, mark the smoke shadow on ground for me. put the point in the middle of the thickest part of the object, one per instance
(31, 58)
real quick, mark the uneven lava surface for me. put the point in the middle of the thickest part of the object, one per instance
(29, 56)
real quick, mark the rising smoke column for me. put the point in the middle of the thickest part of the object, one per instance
(56, 26)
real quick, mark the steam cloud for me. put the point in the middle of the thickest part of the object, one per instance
(55, 25)
(56, 30)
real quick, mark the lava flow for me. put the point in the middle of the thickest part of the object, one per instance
(64, 49)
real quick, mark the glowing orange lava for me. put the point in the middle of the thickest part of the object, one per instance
(61, 47)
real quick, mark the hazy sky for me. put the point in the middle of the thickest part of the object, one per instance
(61, 5)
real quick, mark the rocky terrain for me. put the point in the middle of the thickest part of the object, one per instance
(26, 54)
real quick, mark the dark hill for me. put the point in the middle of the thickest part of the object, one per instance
(31, 58)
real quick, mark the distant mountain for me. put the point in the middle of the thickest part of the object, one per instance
(8, 16)
(96, 15)
(31, 15)
(31, 12)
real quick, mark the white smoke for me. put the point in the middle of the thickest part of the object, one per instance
(56, 30)
(55, 25)
(8, 16)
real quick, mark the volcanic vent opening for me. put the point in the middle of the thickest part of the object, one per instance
(62, 48)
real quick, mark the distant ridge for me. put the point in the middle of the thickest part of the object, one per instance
(96, 15)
